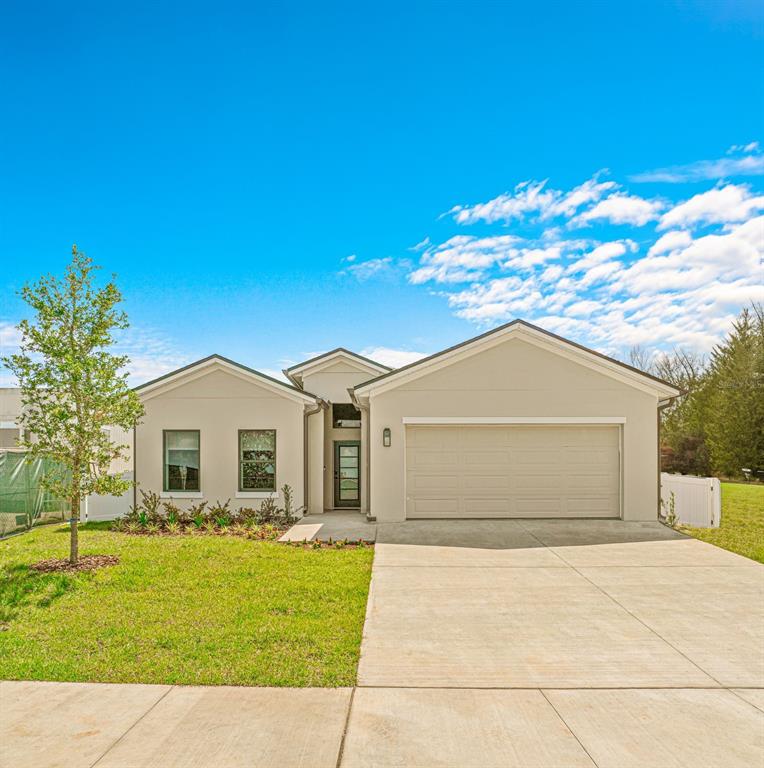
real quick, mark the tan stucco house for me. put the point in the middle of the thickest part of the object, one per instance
(516, 422)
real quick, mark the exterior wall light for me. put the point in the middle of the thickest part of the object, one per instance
(386, 437)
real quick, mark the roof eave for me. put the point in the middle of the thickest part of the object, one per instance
(167, 377)
(660, 386)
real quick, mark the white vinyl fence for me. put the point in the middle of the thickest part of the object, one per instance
(697, 500)
(107, 507)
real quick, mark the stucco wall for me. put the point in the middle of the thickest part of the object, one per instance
(333, 381)
(516, 378)
(218, 404)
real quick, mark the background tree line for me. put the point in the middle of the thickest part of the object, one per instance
(717, 428)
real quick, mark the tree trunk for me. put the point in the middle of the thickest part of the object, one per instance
(74, 550)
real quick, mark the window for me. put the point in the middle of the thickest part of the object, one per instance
(345, 415)
(257, 459)
(181, 460)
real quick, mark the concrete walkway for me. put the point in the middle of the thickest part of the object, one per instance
(541, 644)
(336, 525)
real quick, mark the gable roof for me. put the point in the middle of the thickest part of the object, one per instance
(607, 365)
(242, 370)
(294, 372)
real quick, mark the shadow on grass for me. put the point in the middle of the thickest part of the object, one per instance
(101, 525)
(20, 586)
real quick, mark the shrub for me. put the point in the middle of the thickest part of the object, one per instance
(153, 516)
(221, 513)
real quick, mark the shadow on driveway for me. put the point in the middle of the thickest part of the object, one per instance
(521, 534)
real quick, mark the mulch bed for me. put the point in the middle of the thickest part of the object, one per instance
(328, 544)
(85, 563)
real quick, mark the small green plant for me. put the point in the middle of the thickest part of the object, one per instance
(171, 512)
(340, 544)
(150, 503)
(209, 526)
(361, 544)
(268, 512)
(221, 513)
(316, 544)
(133, 526)
(288, 517)
(152, 528)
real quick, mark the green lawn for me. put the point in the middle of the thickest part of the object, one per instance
(208, 610)
(742, 526)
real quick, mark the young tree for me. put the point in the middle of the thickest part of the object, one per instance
(72, 387)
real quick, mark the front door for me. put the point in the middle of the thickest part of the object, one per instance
(347, 473)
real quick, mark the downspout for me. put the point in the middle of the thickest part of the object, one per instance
(367, 474)
(662, 405)
(135, 464)
(308, 412)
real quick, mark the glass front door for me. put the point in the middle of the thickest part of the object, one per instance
(347, 474)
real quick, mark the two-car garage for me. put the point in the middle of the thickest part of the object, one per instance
(515, 423)
(503, 470)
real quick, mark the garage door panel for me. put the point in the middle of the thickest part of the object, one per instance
(487, 484)
(508, 471)
(600, 484)
(482, 458)
(486, 507)
(427, 459)
(545, 506)
(436, 484)
(435, 507)
(542, 482)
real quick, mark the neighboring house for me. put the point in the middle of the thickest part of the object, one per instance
(11, 431)
(10, 410)
(517, 422)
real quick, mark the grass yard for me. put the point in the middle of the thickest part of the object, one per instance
(742, 526)
(209, 610)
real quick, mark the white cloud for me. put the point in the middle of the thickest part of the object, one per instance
(10, 338)
(684, 291)
(730, 203)
(670, 242)
(364, 270)
(394, 358)
(551, 273)
(752, 146)
(151, 354)
(532, 198)
(749, 165)
(462, 258)
(621, 209)
(602, 253)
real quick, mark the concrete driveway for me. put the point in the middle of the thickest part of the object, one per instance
(533, 644)
(558, 643)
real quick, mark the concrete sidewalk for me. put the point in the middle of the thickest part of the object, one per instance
(515, 644)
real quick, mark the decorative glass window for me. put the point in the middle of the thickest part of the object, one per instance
(181, 460)
(345, 415)
(257, 459)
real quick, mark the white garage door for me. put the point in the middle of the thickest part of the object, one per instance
(512, 471)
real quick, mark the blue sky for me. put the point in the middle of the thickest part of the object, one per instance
(270, 182)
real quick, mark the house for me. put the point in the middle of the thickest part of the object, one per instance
(516, 422)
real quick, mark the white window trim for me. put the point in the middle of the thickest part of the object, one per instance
(256, 494)
(181, 495)
(443, 420)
